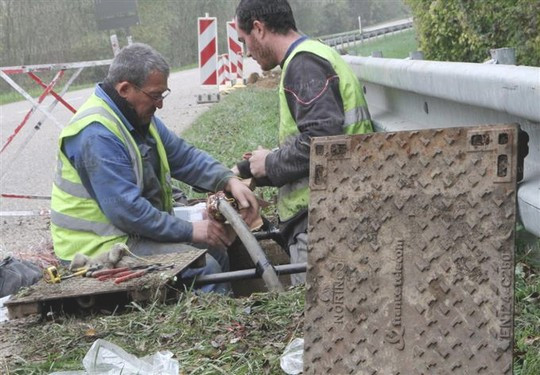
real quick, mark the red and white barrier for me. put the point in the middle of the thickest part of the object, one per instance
(235, 49)
(224, 73)
(240, 66)
(208, 50)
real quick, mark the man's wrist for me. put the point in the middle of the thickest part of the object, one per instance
(227, 184)
(224, 181)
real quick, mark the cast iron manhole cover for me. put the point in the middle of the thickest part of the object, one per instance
(411, 266)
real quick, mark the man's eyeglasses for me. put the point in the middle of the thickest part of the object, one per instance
(154, 97)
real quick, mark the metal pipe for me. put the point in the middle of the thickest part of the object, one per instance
(250, 273)
(252, 246)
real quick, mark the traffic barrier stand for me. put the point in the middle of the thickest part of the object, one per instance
(240, 70)
(37, 105)
(224, 74)
(41, 212)
(208, 62)
(235, 52)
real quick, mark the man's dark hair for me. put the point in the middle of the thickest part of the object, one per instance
(276, 14)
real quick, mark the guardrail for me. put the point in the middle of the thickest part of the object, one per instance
(353, 36)
(415, 94)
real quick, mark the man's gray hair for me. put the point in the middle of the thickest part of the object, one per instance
(134, 63)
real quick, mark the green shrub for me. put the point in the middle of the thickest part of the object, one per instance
(464, 30)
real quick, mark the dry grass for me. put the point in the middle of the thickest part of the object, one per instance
(205, 333)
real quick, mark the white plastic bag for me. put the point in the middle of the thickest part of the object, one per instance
(292, 359)
(105, 358)
(3, 309)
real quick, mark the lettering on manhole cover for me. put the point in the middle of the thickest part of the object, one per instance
(411, 243)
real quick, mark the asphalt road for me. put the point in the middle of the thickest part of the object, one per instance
(27, 164)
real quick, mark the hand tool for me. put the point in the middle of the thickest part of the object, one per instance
(109, 273)
(128, 275)
(83, 271)
(52, 276)
(115, 272)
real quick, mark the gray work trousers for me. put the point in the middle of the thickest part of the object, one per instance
(217, 260)
(298, 246)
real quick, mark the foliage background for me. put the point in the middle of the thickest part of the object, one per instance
(49, 31)
(465, 30)
(59, 31)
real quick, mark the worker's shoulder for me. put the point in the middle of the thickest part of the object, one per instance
(308, 76)
(307, 63)
(95, 130)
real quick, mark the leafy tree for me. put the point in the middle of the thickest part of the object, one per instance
(322, 17)
(464, 30)
(58, 31)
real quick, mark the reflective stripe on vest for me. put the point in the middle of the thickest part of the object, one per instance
(78, 224)
(355, 115)
(294, 197)
(72, 188)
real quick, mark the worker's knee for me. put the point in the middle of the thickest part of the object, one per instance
(212, 266)
(221, 256)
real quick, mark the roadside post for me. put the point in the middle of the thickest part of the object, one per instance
(116, 15)
(114, 44)
(235, 52)
(208, 59)
(224, 74)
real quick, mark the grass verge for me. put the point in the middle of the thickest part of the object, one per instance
(396, 46)
(208, 334)
(242, 121)
(527, 311)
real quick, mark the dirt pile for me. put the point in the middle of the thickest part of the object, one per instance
(269, 79)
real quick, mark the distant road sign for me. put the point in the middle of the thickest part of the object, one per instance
(116, 14)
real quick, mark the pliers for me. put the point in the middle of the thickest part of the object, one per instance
(127, 273)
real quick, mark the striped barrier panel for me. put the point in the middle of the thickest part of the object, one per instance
(234, 49)
(207, 31)
(224, 74)
(240, 66)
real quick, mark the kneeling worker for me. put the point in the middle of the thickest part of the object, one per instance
(114, 167)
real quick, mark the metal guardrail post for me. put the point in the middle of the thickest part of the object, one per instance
(335, 40)
(505, 56)
(416, 55)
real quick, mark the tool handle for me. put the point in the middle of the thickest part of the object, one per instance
(130, 276)
(51, 275)
(119, 273)
(111, 271)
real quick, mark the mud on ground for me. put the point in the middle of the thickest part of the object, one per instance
(268, 80)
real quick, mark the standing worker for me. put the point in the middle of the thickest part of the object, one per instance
(319, 95)
(114, 168)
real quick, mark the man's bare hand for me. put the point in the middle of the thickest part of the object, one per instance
(257, 162)
(212, 233)
(247, 202)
